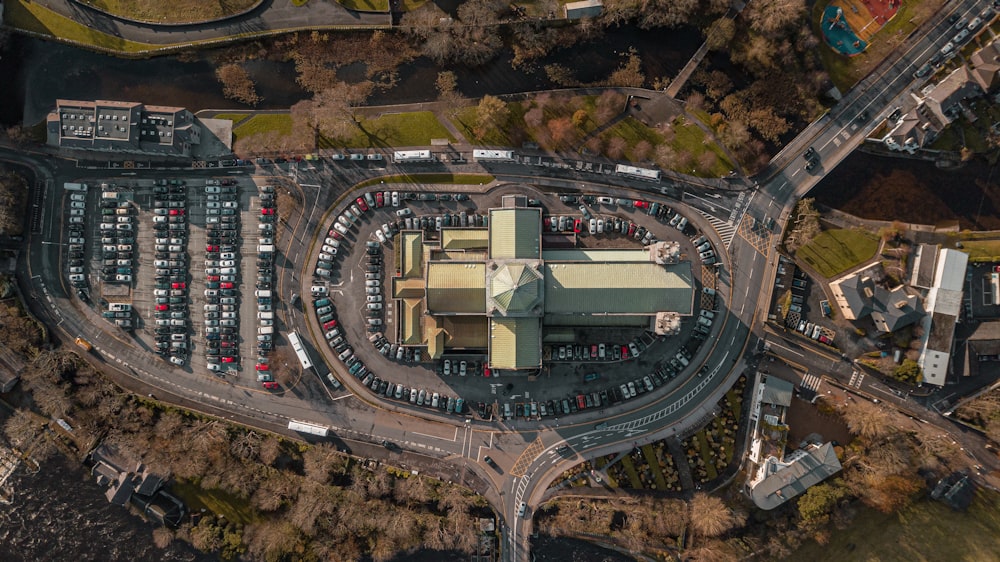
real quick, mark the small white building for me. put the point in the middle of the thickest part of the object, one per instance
(584, 9)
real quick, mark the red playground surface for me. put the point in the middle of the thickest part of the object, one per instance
(882, 10)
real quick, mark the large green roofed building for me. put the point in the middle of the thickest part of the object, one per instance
(497, 289)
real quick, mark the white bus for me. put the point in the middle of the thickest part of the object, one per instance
(310, 428)
(300, 351)
(403, 156)
(640, 173)
(482, 154)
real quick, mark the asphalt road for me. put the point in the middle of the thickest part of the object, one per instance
(745, 277)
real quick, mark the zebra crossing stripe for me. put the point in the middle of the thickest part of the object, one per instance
(725, 229)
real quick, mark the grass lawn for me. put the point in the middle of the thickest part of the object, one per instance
(633, 476)
(233, 508)
(415, 128)
(174, 11)
(262, 123)
(706, 455)
(688, 137)
(732, 397)
(835, 251)
(465, 120)
(654, 467)
(29, 16)
(234, 117)
(924, 532)
(846, 71)
(981, 250)
(430, 179)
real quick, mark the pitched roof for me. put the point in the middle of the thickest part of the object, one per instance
(515, 343)
(515, 233)
(456, 287)
(515, 288)
(411, 313)
(464, 238)
(618, 288)
(411, 254)
(778, 392)
(789, 480)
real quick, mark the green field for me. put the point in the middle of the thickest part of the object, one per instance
(263, 123)
(982, 250)
(234, 117)
(927, 531)
(222, 503)
(174, 11)
(835, 251)
(29, 16)
(431, 179)
(415, 128)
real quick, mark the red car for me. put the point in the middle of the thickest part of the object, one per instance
(379, 199)
(267, 211)
(624, 353)
(161, 307)
(593, 351)
(262, 367)
(577, 226)
(581, 402)
(336, 235)
(486, 371)
(213, 278)
(226, 286)
(179, 285)
(639, 204)
(176, 212)
(361, 203)
(211, 248)
(631, 228)
(227, 359)
(271, 385)
(330, 325)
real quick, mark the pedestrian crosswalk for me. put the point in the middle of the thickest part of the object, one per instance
(725, 229)
(811, 382)
(856, 378)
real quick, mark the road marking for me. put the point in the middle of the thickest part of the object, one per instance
(773, 344)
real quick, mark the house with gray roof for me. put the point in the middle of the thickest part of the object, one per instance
(860, 295)
(781, 480)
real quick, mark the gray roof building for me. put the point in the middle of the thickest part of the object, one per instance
(859, 295)
(780, 481)
(119, 126)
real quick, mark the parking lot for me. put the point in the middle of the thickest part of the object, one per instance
(361, 323)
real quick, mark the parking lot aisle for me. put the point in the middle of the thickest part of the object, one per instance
(250, 205)
(196, 250)
(143, 280)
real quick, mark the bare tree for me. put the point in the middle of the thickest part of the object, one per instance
(709, 516)
(492, 115)
(321, 461)
(866, 419)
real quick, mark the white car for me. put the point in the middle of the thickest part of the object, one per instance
(78, 205)
(404, 213)
(212, 189)
(228, 263)
(325, 257)
(231, 205)
(380, 235)
(395, 198)
(327, 249)
(593, 226)
(341, 229)
(213, 205)
(227, 256)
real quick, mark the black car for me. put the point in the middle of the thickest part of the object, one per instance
(810, 153)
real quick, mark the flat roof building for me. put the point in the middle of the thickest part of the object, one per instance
(497, 288)
(120, 126)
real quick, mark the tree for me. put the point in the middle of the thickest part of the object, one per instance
(320, 461)
(709, 517)
(818, 502)
(237, 85)
(642, 150)
(492, 115)
(774, 16)
(580, 117)
(628, 74)
(447, 87)
(334, 110)
(720, 33)
(561, 75)
(562, 131)
(616, 147)
(866, 419)
(908, 371)
(707, 161)
(609, 104)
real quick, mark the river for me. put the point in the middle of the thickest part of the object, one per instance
(60, 513)
(39, 72)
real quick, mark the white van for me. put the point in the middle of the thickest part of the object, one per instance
(266, 293)
(264, 330)
(265, 316)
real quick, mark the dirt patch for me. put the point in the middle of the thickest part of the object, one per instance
(803, 418)
(883, 188)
